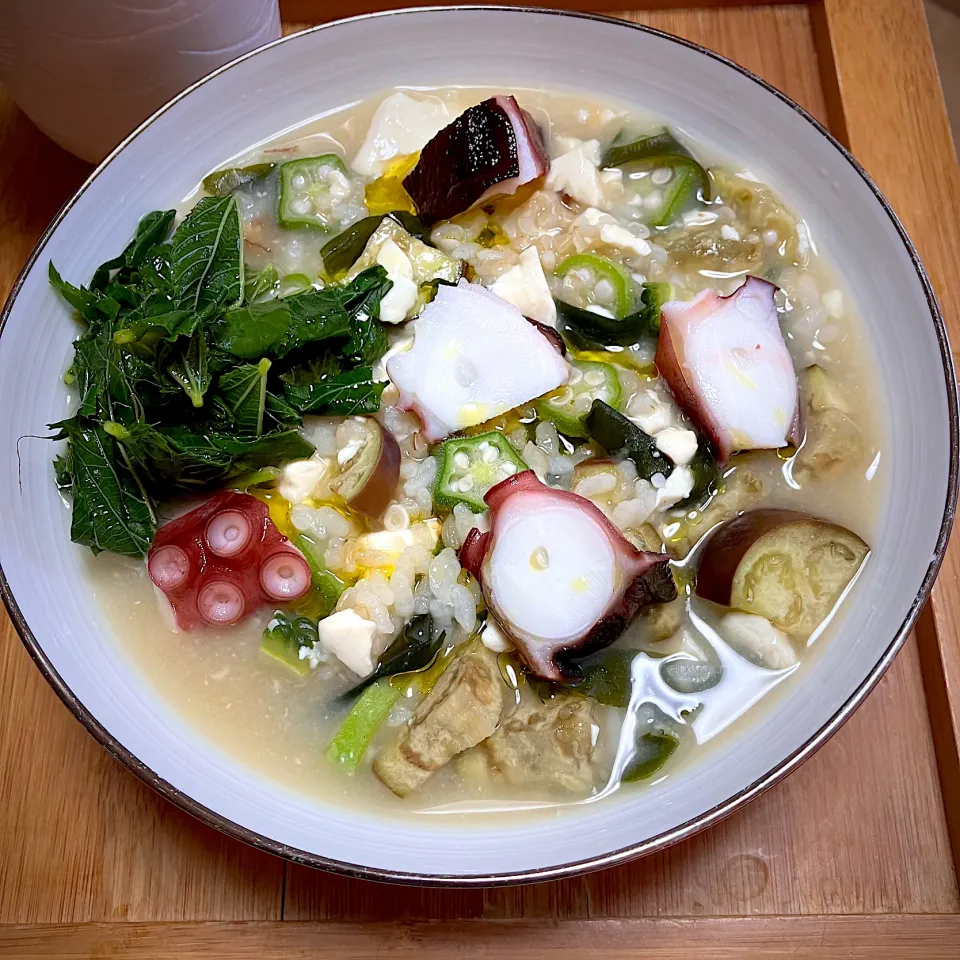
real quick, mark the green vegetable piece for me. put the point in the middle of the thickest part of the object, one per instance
(95, 358)
(363, 294)
(92, 307)
(349, 393)
(176, 459)
(601, 268)
(688, 181)
(415, 649)
(153, 229)
(327, 584)
(620, 437)
(606, 677)
(263, 285)
(340, 253)
(284, 636)
(653, 750)
(659, 146)
(155, 272)
(588, 330)
(305, 199)
(705, 475)
(343, 251)
(256, 329)
(358, 729)
(207, 255)
(569, 406)
(263, 451)
(156, 320)
(242, 395)
(655, 739)
(293, 283)
(652, 299)
(470, 466)
(115, 384)
(276, 327)
(120, 272)
(111, 511)
(171, 459)
(189, 369)
(258, 478)
(221, 183)
(280, 413)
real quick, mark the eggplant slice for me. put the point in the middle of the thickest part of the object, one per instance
(780, 564)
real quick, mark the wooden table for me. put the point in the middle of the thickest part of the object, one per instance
(854, 855)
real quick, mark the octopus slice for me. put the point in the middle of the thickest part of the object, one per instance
(474, 357)
(490, 150)
(729, 368)
(223, 560)
(561, 580)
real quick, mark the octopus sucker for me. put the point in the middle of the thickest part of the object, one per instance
(223, 560)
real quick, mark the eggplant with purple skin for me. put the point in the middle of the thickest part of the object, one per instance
(561, 580)
(489, 151)
(786, 566)
(370, 471)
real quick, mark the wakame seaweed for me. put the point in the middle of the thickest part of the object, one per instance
(187, 379)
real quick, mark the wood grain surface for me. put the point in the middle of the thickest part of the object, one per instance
(896, 88)
(316, 11)
(714, 938)
(859, 829)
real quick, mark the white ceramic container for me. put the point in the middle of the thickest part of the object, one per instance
(303, 76)
(88, 71)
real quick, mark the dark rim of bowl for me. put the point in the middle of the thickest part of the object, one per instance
(706, 819)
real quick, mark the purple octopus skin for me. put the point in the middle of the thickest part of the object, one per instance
(490, 150)
(552, 335)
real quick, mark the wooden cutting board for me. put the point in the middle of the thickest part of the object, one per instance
(854, 855)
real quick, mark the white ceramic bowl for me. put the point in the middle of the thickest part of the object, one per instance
(279, 86)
